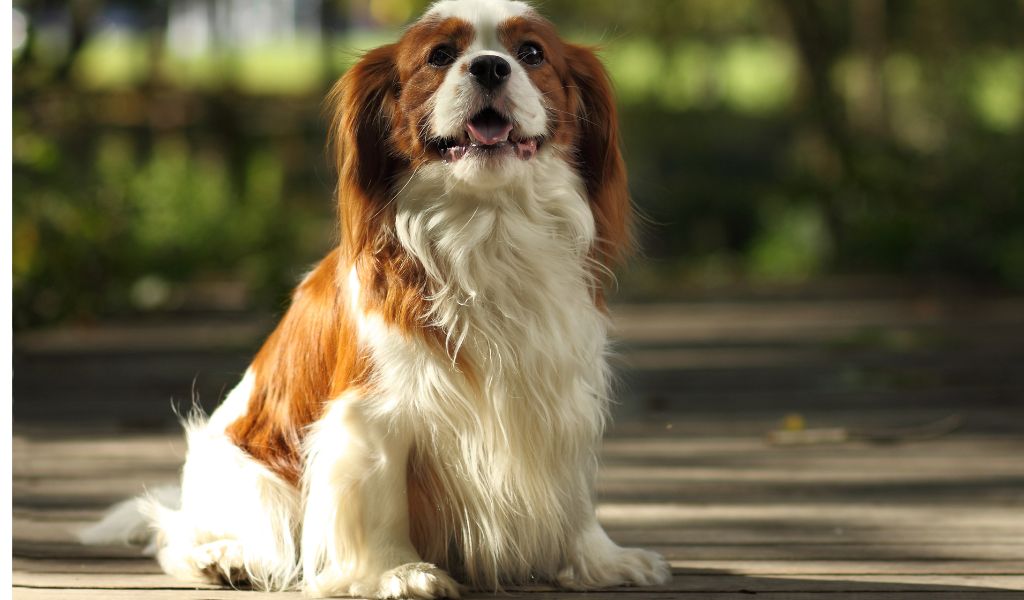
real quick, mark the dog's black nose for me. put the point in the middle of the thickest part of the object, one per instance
(490, 71)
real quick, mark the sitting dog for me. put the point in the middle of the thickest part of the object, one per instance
(430, 408)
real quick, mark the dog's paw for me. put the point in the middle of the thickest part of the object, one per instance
(615, 566)
(220, 561)
(422, 581)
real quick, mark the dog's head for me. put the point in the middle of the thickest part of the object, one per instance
(478, 90)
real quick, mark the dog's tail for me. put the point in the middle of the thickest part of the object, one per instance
(132, 521)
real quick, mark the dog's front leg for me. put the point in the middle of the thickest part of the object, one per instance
(355, 530)
(598, 562)
(595, 561)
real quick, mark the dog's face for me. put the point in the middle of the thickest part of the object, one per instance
(480, 87)
(477, 92)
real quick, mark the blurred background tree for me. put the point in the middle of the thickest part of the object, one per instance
(168, 155)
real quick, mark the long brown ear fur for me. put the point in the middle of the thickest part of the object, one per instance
(313, 356)
(601, 164)
(363, 105)
(310, 358)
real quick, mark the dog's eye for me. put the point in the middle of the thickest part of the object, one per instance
(530, 54)
(442, 56)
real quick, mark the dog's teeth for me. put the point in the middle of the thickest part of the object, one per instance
(454, 153)
(525, 150)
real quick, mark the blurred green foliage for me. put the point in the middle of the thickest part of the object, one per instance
(767, 142)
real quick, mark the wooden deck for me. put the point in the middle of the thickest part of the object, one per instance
(827, 449)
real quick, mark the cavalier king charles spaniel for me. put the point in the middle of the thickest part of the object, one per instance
(427, 415)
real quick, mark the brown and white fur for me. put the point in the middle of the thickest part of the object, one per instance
(430, 408)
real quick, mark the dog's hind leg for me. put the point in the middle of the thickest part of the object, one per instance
(237, 520)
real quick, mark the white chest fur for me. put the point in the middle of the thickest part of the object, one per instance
(512, 287)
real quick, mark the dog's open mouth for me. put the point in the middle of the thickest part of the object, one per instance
(487, 133)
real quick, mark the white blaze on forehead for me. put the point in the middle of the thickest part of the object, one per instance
(484, 14)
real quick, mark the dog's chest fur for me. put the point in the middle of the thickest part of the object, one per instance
(514, 421)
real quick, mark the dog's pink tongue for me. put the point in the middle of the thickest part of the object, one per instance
(489, 131)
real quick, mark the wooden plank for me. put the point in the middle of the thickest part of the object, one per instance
(21, 593)
(826, 471)
(829, 583)
(679, 320)
(646, 437)
(837, 568)
(147, 566)
(42, 514)
(663, 514)
(116, 447)
(793, 320)
(760, 534)
(681, 582)
(57, 539)
(678, 554)
(649, 440)
(63, 530)
(87, 488)
(139, 338)
(762, 464)
(72, 551)
(57, 593)
(109, 564)
(941, 493)
(135, 581)
(692, 458)
(143, 565)
(970, 362)
(845, 552)
(96, 495)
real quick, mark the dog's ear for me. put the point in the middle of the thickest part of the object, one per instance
(362, 107)
(599, 155)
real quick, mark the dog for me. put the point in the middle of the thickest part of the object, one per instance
(426, 417)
